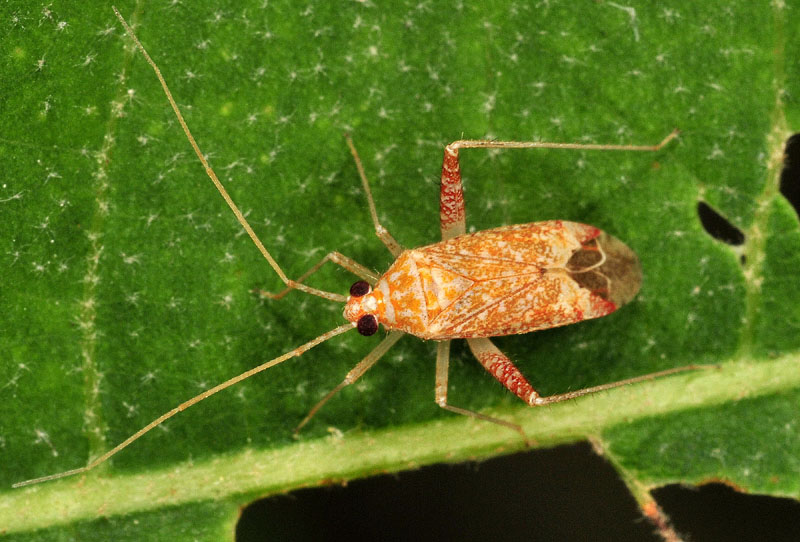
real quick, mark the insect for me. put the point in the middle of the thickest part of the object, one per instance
(508, 280)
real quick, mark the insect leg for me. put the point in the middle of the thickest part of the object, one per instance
(383, 234)
(355, 373)
(611, 385)
(487, 144)
(452, 215)
(442, 367)
(337, 258)
(503, 369)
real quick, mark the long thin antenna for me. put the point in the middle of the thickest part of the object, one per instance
(186, 404)
(213, 176)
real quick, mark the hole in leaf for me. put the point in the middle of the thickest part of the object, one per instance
(718, 226)
(563, 493)
(718, 512)
(790, 176)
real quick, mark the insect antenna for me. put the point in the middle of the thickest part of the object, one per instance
(186, 404)
(243, 221)
(217, 183)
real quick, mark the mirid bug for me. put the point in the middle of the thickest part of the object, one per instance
(508, 280)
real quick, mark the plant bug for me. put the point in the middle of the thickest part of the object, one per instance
(507, 280)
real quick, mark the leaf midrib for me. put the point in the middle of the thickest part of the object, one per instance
(360, 453)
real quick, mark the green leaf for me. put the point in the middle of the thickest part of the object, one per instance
(128, 284)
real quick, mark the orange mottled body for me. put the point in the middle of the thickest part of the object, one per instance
(503, 281)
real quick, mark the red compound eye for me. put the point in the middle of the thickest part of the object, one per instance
(367, 325)
(359, 288)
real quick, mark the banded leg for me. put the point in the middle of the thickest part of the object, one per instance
(334, 257)
(503, 369)
(383, 234)
(452, 215)
(442, 369)
(355, 373)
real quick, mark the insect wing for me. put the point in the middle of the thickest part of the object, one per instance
(524, 278)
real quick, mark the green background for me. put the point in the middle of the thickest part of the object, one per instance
(127, 283)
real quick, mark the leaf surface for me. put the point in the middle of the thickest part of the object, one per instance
(128, 285)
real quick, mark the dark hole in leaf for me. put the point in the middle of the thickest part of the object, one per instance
(563, 493)
(790, 176)
(718, 226)
(718, 512)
